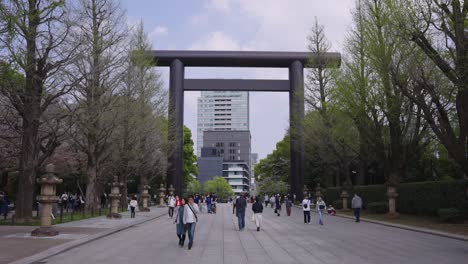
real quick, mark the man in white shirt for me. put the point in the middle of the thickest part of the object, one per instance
(190, 219)
(171, 203)
(306, 209)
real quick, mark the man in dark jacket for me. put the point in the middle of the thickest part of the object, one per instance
(240, 206)
(257, 208)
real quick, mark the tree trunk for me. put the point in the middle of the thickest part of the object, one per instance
(27, 168)
(91, 187)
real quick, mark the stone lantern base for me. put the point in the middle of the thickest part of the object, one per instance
(44, 232)
(114, 216)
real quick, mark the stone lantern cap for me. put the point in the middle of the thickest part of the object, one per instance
(49, 177)
(116, 182)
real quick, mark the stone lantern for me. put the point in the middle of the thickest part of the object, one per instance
(345, 195)
(47, 198)
(115, 197)
(171, 190)
(162, 194)
(144, 197)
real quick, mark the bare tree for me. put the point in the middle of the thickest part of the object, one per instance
(101, 33)
(33, 38)
(439, 30)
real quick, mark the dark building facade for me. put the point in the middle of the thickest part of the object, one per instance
(234, 148)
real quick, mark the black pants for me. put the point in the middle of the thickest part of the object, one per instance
(171, 211)
(132, 213)
(306, 216)
(357, 212)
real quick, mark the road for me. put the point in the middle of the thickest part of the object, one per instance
(282, 240)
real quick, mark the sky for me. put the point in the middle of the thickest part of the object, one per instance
(258, 25)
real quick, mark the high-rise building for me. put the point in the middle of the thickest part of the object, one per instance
(226, 154)
(221, 111)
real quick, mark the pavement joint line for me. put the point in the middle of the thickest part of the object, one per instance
(407, 227)
(59, 249)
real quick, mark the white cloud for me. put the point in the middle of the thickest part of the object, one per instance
(279, 26)
(220, 5)
(216, 40)
(159, 30)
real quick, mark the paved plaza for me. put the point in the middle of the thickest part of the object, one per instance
(282, 240)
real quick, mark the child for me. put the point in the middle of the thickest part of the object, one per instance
(331, 210)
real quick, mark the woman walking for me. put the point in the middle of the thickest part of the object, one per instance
(288, 204)
(306, 209)
(278, 204)
(321, 206)
(133, 205)
(171, 203)
(190, 219)
(180, 227)
(257, 208)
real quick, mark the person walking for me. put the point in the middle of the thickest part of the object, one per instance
(257, 209)
(288, 204)
(266, 199)
(133, 205)
(171, 203)
(278, 205)
(320, 206)
(272, 201)
(208, 203)
(180, 227)
(239, 206)
(306, 209)
(190, 219)
(356, 204)
(178, 202)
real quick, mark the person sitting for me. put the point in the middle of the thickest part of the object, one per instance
(331, 210)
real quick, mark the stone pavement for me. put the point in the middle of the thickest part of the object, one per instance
(282, 240)
(16, 244)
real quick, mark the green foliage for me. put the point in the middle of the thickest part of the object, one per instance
(276, 164)
(378, 208)
(193, 187)
(220, 187)
(189, 158)
(271, 186)
(451, 215)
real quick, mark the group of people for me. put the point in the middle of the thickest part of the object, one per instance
(186, 218)
(240, 205)
(203, 201)
(71, 201)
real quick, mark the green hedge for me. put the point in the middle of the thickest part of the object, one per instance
(427, 198)
(424, 198)
(378, 208)
(369, 194)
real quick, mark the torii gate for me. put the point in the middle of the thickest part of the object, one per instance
(296, 62)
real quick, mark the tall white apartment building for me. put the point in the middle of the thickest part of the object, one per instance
(221, 111)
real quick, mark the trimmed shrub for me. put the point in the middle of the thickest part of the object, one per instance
(378, 208)
(338, 204)
(370, 194)
(450, 215)
(332, 194)
(424, 198)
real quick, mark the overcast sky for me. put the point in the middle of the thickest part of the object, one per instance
(262, 25)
